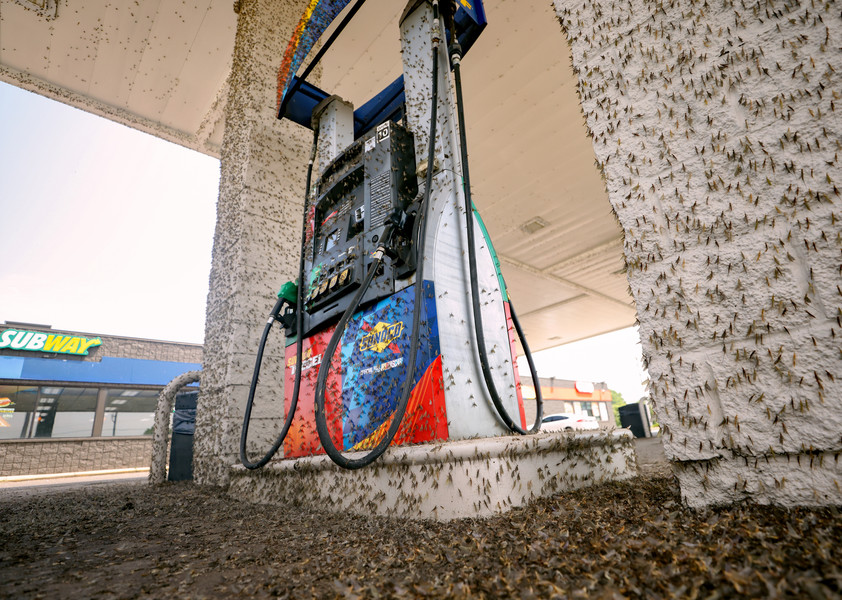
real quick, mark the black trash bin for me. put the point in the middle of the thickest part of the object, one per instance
(181, 445)
(635, 417)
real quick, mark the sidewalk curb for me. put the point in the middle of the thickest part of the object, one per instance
(16, 478)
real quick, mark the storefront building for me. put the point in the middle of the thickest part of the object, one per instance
(567, 396)
(79, 402)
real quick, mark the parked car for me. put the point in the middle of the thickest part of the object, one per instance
(568, 422)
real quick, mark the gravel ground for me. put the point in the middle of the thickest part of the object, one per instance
(631, 539)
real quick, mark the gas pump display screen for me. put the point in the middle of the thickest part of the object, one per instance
(332, 239)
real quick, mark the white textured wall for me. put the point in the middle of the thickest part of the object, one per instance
(256, 244)
(717, 125)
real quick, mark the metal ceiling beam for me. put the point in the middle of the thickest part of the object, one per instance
(555, 305)
(586, 256)
(549, 276)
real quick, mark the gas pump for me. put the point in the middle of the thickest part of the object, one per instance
(400, 329)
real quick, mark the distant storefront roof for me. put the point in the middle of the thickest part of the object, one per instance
(567, 389)
(30, 352)
(130, 371)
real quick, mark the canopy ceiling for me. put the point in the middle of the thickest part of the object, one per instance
(161, 67)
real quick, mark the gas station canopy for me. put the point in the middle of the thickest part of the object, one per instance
(162, 67)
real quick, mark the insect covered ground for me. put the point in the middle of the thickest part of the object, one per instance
(621, 540)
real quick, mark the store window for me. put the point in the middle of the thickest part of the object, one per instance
(64, 412)
(603, 411)
(129, 412)
(69, 412)
(17, 409)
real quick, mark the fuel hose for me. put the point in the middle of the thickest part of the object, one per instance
(274, 316)
(330, 448)
(455, 57)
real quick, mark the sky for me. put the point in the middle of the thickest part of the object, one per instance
(105, 229)
(108, 230)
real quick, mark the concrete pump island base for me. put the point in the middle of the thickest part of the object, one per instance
(443, 481)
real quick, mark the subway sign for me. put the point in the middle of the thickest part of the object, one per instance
(35, 341)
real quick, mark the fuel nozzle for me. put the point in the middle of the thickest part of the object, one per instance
(288, 301)
(398, 220)
(289, 292)
(400, 229)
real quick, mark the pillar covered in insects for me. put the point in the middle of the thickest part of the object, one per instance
(717, 126)
(256, 243)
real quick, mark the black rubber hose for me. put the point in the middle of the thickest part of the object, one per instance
(299, 330)
(406, 390)
(475, 300)
(324, 369)
(539, 400)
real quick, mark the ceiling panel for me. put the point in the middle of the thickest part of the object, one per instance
(128, 31)
(608, 279)
(366, 58)
(24, 39)
(73, 45)
(213, 38)
(169, 42)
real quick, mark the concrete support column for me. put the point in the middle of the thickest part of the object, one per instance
(256, 242)
(718, 127)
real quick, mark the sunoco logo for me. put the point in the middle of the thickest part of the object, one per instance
(380, 336)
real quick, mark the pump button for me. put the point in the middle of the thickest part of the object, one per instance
(344, 276)
(332, 283)
(323, 287)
